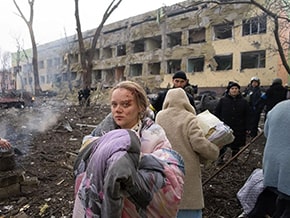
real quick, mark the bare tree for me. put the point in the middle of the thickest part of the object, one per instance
(29, 23)
(277, 11)
(4, 60)
(87, 55)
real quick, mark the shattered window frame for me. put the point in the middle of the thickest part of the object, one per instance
(121, 50)
(196, 35)
(138, 46)
(255, 25)
(224, 62)
(154, 68)
(223, 31)
(174, 39)
(173, 65)
(253, 59)
(97, 54)
(195, 64)
(136, 69)
(107, 52)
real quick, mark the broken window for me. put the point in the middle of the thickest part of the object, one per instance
(138, 46)
(195, 64)
(154, 68)
(223, 31)
(173, 66)
(97, 75)
(254, 59)
(135, 70)
(224, 62)
(256, 25)
(196, 35)
(173, 39)
(121, 50)
(74, 58)
(97, 54)
(73, 75)
(153, 43)
(41, 64)
(107, 52)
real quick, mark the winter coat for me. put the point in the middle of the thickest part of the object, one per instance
(235, 112)
(254, 97)
(274, 95)
(276, 159)
(156, 104)
(178, 119)
(121, 182)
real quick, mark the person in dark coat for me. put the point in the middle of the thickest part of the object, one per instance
(253, 94)
(179, 80)
(275, 94)
(234, 110)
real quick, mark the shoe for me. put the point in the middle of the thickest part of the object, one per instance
(242, 215)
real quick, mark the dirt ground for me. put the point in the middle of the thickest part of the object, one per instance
(49, 134)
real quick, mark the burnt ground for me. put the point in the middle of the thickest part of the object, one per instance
(50, 133)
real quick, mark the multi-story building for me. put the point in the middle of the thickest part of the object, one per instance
(212, 43)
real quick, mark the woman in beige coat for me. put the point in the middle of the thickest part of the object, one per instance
(178, 119)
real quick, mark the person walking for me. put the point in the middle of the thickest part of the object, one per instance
(253, 94)
(178, 119)
(234, 111)
(274, 94)
(126, 166)
(179, 80)
(276, 161)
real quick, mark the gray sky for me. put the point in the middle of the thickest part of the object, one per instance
(54, 18)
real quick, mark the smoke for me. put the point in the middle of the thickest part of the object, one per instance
(41, 120)
(19, 126)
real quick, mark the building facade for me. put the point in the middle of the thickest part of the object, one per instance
(213, 44)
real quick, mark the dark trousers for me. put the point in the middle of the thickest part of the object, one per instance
(265, 205)
(273, 203)
(282, 208)
(255, 123)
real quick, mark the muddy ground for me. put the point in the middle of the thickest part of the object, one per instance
(48, 135)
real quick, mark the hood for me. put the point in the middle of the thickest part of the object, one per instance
(177, 98)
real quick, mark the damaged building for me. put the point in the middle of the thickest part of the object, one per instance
(212, 43)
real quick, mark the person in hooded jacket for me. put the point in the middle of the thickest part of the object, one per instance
(234, 110)
(275, 94)
(178, 119)
(179, 80)
(253, 94)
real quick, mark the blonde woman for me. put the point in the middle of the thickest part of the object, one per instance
(128, 167)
